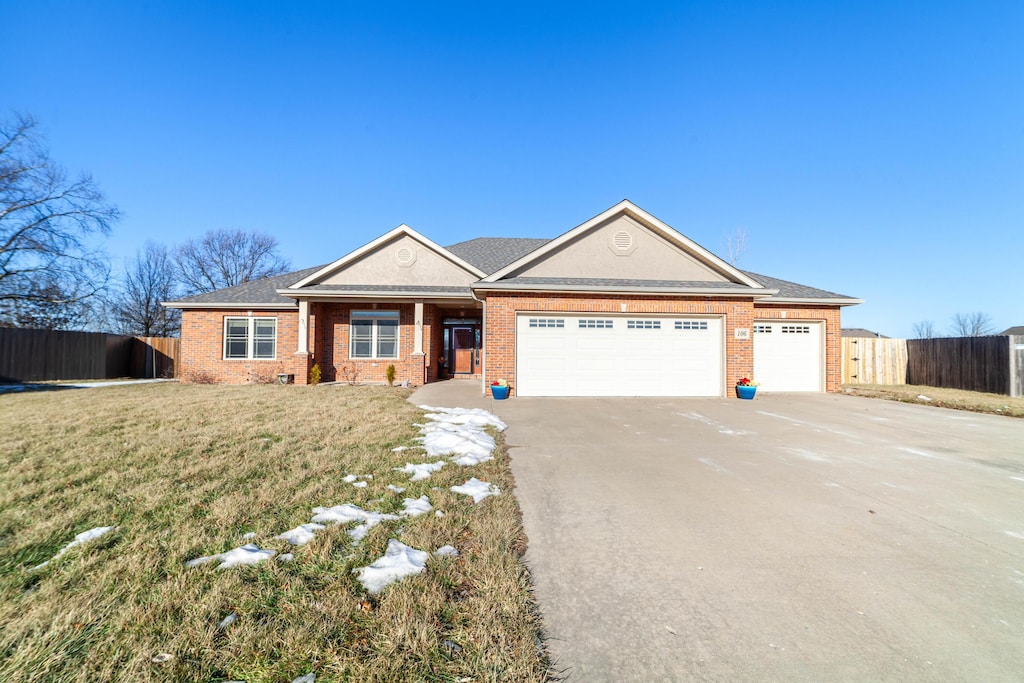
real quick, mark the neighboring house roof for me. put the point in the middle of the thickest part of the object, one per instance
(1018, 330)
(491, 254)
(860, 332)
(257, 293)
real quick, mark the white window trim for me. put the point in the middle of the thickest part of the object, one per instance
(374, 316)
(250, 337)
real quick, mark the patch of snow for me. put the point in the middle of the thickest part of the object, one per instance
(438, 513)
(343, 514)
(360, 484)
(474, 416)
(305, 678)
(227, 621)
(396, 489)
(477, 489)
(84, 537)
(421, 471)
(398, 562)
(285, 557)
(447, 551)
(302, 534)
(247, 554)
(922, 397)
(459, 432)
(414, 507)
(249, 536)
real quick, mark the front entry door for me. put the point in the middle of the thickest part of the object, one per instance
(463, 350)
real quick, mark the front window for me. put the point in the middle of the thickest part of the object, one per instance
(250, 338)
(373, 334)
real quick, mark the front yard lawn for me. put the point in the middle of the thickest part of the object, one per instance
(184, 471)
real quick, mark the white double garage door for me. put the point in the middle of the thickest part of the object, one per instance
(622, 355)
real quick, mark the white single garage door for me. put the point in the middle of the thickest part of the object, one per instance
(605, 355)
(788, 355)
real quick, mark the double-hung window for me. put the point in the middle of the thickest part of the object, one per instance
(250, 338)
(373, 334)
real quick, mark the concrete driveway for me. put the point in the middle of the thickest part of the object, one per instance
(789, 538)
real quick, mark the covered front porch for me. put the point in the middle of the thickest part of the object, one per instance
(356, 340)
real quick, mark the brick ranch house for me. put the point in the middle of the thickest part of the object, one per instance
(621, 305)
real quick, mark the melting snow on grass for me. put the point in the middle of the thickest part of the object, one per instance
(414, 507)
(398, 562)
(478, 489)
(447, 551)
(459, 432)
(301, 535)
(84, 537)
(420, 471)
(250, 553)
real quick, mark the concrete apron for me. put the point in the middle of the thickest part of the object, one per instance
(789, 538)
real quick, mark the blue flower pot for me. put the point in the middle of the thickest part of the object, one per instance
(745, 392)
(499, 393)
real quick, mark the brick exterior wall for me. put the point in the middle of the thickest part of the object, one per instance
(500, 330)
(202, 349)
(331, 344)
(202, 335)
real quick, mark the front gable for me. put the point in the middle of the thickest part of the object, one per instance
(624, 243)
(401, 258)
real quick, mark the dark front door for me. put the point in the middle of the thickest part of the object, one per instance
(463, 350)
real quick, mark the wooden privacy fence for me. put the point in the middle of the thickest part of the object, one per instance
(990, 364)
(874, 360)
(971, 363)
(43, 355)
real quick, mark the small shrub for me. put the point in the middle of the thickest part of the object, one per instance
(349, 374)
(314, 375)
(390, 374)
(199, 378)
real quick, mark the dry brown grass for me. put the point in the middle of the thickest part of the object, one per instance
(974, 401)
(184, 471)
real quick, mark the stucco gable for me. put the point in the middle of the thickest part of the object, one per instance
(402, 257)
(624, 243)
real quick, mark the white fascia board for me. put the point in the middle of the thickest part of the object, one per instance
(629, 208)
(234, 304)
(402, 229)
(369, 294)
(656, 291)
(783, 301)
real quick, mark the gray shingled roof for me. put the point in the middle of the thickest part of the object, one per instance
(491, 254)
(792, 290)
(258, 292)
(1018, 330)
(860, 332)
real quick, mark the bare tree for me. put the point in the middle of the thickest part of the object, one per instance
(227, 257)
(46, 225)
(925, 330)
(736, 244)
(45, 306)
(971, 325)
(149, 279)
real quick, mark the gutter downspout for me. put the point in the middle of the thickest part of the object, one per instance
(483, 340)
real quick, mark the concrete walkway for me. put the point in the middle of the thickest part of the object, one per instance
(789, 538)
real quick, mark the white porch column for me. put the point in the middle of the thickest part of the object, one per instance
(303, 327)
(418, 336)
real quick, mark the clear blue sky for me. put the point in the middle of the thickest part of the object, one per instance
(874, 149)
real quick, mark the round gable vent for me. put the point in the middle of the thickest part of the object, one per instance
(622, 243)
(405, 257)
